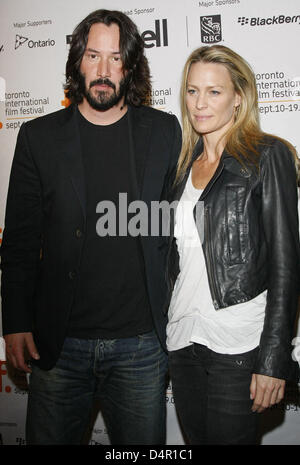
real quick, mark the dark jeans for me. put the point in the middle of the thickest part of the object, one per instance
(212, 395)
(128, 376)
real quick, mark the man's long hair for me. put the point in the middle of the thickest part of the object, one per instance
(132, 53)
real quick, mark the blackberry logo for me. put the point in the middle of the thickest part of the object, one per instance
(210, 27)
(243, 21)
(281, 19)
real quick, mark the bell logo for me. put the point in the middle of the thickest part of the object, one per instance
(156, 38)
(210, 27)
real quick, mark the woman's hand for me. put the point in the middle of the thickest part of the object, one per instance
(265, 391)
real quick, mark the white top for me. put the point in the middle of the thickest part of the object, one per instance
(192, 316)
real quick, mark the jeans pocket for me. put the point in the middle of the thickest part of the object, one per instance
(245, 360)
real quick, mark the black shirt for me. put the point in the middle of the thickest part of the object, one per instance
(111, 299)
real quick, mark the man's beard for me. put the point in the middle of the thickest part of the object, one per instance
(103, 101)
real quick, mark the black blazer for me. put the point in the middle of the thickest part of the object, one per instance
(46, 215)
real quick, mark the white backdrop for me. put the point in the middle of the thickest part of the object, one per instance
(33, 52)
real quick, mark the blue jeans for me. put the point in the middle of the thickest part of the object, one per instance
(212, 395)
(128, 376)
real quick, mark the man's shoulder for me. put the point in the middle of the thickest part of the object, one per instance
(48, 120)
(153, 113)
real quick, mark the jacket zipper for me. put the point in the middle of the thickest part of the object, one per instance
(209, 262)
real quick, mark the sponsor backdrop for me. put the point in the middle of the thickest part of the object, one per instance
(34, 38)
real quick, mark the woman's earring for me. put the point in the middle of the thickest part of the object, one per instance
(236, 111)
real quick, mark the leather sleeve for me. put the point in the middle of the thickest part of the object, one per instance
(281, 230)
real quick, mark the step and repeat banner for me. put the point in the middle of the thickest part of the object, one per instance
(34, 43)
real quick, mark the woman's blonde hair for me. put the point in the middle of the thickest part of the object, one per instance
(245, 134)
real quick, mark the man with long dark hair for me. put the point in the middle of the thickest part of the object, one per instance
(83, 312)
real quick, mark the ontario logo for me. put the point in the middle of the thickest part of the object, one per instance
(211, 30)
(20, 40)
(257, 21)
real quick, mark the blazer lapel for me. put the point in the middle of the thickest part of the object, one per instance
(68, 138)
(139, 135)
(70, 146)
(179, 188)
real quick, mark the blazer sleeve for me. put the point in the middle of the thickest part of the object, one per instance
(281, 232)
(176, 142)
(21, 244)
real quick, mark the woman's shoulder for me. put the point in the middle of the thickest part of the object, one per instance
(278, 155)
(266, 142)
(270, 143)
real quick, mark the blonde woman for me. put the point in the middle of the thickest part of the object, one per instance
(234, 255)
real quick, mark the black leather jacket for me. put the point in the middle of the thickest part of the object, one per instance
(250, 244)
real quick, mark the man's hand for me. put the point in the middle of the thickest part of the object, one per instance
(265, 391)
(20, 348)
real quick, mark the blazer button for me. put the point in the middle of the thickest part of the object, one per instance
(72, 274)
(78, 233)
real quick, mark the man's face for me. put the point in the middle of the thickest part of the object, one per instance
(103, 79)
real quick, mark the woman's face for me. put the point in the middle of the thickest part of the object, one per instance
(210, 98)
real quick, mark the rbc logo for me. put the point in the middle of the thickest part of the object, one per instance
(210, 27)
